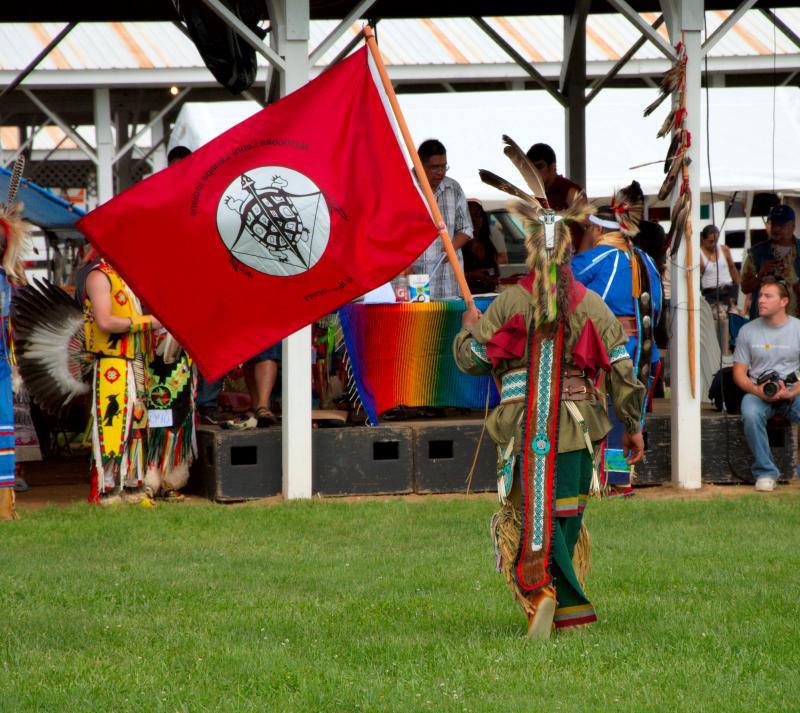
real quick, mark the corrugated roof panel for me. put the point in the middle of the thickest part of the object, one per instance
(400, 44)
(413, 42)
(442, 41)
(44, 33)
(17, 41)
(74, 49)
(9, 138)
(763, 31)
(543, 36)
(164, 44)
(104, 49)
(459, 40)
(609, 40)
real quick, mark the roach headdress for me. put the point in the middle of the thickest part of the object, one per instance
(547, 236)
(628, 208)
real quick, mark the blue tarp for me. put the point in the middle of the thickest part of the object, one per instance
(41, 207)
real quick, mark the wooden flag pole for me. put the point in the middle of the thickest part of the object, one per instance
(449, 250)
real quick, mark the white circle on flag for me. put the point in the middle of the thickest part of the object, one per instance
(274, 220)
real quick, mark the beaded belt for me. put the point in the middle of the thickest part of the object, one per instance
(575, 387)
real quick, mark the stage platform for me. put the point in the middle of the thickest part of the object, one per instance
(436, 455)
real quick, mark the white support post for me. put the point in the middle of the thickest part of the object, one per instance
(290, 23)
(105, 145)
(685, 425)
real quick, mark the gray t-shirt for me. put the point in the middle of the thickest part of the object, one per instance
(763, 348)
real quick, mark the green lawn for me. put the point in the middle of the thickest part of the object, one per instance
(393, 605)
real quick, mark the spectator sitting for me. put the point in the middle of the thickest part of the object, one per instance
(779, 256)
(768, 346)
(260, 375)
(453, 206)
(480, 255)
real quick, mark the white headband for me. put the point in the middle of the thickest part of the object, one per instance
(609, 224)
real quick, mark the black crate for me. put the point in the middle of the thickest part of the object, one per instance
(443, 456)
(725, 455)
(363, 461)
(239, 465)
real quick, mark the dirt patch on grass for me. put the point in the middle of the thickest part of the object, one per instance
(62, 486)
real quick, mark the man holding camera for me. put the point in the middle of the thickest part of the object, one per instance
(765, 366)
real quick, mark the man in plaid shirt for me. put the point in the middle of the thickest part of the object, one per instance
(453, 206)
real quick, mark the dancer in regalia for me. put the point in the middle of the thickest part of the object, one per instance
(14, 232)
(171, 389)
(121, 339)
(630, 284)
(545, 340)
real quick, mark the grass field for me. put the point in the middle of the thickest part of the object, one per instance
(393, 605)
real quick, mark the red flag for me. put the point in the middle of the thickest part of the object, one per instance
(273, 224)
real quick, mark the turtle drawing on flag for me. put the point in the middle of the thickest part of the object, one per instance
(276, 222)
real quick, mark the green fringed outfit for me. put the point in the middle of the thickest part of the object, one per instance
(545, 427)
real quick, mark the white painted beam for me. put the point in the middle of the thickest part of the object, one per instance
(156, 118)
(644, 27)
(25, 144)
(199, 77)
(781, 25)
(519, 59)
(246, 33)
(63, 125)
(340, 29)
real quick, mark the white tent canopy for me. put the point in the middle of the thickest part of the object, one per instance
(470, 125)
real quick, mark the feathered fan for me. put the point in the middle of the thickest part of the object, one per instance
(548, 240)
(51, 350)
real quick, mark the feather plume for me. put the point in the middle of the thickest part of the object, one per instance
(50, 345)
(655, 104)
(682, 209)
(673, 152)
(667, 125)
(672, 176)
(579, 209)
(670, 81)
(14, 179)
(525, 167)
(492, 179)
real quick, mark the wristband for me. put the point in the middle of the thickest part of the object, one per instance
(142, 325)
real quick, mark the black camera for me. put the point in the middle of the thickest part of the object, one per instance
(770, 380)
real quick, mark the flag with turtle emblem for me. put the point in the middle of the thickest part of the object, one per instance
(278, 221)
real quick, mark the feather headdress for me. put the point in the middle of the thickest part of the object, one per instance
(548, 239)
(628, 208)
(14, 229)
